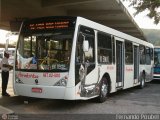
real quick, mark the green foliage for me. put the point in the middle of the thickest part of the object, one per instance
(151, 5)
(152, 36)
(27, 44)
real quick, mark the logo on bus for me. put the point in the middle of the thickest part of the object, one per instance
(27, 75)
(129, 69)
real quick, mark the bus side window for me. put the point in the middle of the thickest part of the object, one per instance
(128, 52)
(142, 54)
(113, 50)
(1, 55)
(79, 54)
(152, 53)
(104, 48)
(148, 56)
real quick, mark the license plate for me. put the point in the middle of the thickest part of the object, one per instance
(37, 90)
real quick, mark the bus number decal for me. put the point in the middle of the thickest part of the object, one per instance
(56, 75)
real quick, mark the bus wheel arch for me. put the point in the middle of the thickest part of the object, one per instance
(107, 76)
(104, 88)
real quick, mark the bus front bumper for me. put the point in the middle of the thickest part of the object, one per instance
(156, 76)
(38, 91)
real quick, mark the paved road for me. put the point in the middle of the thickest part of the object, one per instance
(130, 101)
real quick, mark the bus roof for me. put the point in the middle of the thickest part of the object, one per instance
(100, 27)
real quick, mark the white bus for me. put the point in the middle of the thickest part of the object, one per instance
(74, 58)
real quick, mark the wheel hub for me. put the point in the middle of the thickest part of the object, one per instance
(104, 89)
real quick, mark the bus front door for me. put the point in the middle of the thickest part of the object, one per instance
(119, 64)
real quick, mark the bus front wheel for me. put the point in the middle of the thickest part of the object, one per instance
(104, 90)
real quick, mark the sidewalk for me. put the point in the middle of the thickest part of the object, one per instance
(4, 110)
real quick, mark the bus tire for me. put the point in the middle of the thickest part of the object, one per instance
(104, 90)
(142, 82)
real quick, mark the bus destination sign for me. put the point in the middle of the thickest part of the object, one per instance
(49, 25)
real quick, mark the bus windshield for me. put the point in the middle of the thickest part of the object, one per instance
(49, 51)
(157, 56)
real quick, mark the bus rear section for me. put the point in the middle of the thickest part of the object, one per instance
(156, 75)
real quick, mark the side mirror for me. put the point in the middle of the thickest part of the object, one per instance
(85, 46)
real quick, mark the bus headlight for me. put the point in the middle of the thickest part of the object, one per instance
(17, 80)
(61, 82)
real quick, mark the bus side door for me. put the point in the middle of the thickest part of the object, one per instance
(136, 64)
(119, 63)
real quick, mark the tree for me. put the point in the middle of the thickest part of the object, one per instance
(151, 5)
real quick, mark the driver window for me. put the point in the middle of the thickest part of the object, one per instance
(89, 56)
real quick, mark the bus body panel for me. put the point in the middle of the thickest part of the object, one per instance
(111, 70)
(128, 79)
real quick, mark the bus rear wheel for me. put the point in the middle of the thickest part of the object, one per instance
(142, 83)
(104, 90)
